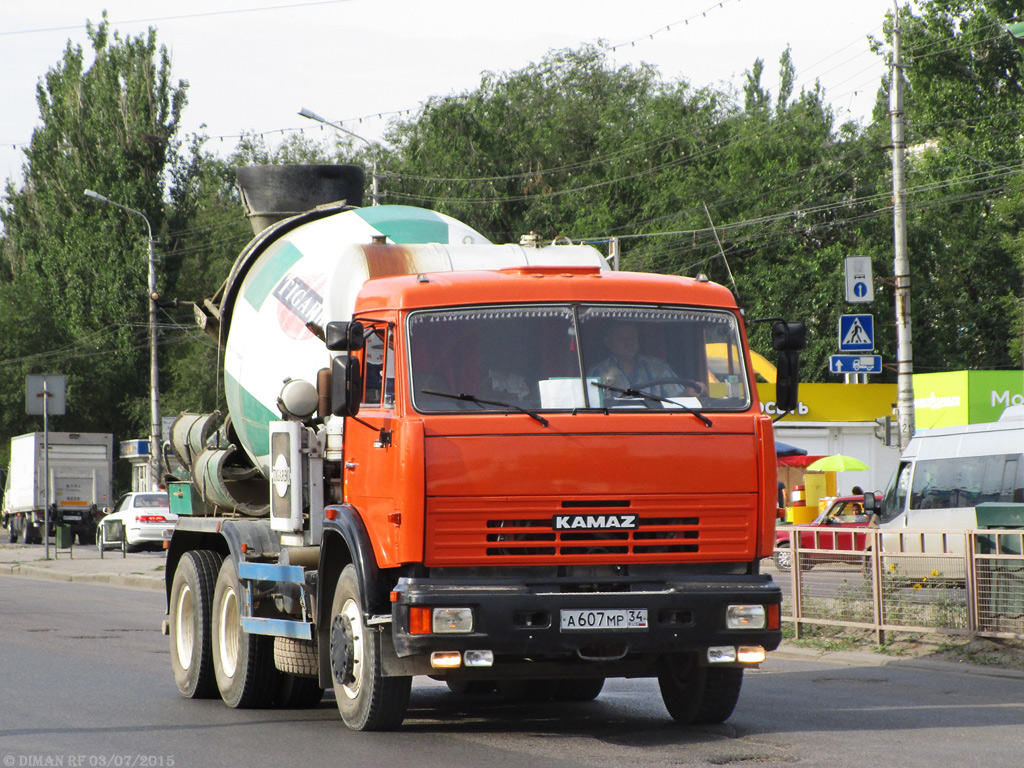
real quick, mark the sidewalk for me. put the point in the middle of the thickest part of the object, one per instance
(143, 570)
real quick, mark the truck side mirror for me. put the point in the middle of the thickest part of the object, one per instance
(870, 503)
(346, 385)
(344, 336)
(788, 337)
(787, 381)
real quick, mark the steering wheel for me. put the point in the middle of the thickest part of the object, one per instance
(696, 386)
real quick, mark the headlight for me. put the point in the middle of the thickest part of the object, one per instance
(745, 617)
(424, 620)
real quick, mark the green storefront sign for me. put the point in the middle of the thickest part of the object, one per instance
(964, 397)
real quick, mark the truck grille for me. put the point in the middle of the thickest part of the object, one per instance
(647, 529)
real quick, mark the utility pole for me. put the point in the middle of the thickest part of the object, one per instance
(901, 267)
(155, 430)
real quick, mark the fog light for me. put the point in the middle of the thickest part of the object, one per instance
(453, 620)
(750, 654)
(721, 654)
(445, 659)
(478, 658)
(745, 617)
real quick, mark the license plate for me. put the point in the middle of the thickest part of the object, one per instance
(635, 618)
(72, 518)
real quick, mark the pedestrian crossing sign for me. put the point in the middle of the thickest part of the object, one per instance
(856, 333)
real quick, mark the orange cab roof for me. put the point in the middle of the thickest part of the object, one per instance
(538, 284)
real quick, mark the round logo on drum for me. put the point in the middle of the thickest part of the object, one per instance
(300, 301)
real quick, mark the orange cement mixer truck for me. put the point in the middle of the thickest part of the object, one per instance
(506, 467)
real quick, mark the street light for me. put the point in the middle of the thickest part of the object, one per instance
(372, 145)
(155, 431)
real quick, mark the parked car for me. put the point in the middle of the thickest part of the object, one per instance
(145, 519)
(838, 528)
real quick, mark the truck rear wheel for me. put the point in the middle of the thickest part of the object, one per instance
(721, 692)
(191, 600)
(367, 700)
(242, 663)
(682, 681)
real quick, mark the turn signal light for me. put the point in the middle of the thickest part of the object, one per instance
(441, 621)
(419, 620)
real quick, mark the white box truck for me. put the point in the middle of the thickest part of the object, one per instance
(80, 467)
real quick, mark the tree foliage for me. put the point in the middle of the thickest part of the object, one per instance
(75, 270)
(761, 191)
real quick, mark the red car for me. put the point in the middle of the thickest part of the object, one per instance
(840, 527)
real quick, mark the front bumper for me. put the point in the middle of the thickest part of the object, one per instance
(522, 619)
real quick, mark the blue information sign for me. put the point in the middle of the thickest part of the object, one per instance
(855, 364)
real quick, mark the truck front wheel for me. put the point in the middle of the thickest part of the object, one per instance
(682, 681)
(367, 700)
(243, 663)
(191, 600)
(721, 692)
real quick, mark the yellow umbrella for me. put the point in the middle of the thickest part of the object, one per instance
(837, 463)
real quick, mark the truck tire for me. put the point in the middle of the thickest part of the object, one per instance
(294, 692)
(296, 657)
(191, 601)
(367, 701)
(243, 663)
(299, 687)
(579, 689)
(33, 534)
(721, 692)
(682, 681)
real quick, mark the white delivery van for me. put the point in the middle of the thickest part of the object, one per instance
(942, 476)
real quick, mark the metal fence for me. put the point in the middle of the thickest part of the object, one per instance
(969, 584)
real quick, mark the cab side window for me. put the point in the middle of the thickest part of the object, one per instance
(378, 368)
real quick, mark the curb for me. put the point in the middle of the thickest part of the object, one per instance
(134, 580)
(867, 659)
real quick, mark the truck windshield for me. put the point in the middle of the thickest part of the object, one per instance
(571, 357)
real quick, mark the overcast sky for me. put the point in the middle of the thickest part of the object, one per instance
(252, 64)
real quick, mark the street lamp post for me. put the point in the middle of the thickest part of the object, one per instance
(155, 429)
(372, 145)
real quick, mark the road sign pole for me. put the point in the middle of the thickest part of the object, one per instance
(46, 468)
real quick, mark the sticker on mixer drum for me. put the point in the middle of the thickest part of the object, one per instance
(300, 302)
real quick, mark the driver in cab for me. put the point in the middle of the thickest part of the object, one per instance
(626, 368)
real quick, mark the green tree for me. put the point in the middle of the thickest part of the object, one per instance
(75, 270)
(964, 98)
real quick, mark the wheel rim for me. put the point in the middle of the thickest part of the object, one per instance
(184, 633)
(350, 613)
(784, 560)
(229, 629)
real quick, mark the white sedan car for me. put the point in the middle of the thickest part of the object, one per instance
(144, 520)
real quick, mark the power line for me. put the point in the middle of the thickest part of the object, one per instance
(178, 17)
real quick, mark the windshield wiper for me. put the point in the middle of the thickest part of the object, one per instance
(649, 396)
(481, 401)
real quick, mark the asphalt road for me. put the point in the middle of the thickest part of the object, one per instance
(87, 681)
